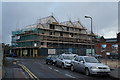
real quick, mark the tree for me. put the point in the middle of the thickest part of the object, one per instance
(6, 49)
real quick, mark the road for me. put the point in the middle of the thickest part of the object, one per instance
(44, 71)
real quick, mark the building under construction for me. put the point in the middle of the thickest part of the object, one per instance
(49, 36)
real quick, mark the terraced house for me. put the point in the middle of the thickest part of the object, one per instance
(49, 36)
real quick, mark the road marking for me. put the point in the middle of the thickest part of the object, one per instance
(69, 75)
(49, 67)
(26, 70)
(56, 70)
(29, 72)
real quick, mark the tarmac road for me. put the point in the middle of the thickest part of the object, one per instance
(45, 71)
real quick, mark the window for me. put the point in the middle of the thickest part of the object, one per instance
(71, 35)
(60, 57)
(61, 34)
(115, 46)
(50, 33)
(42, 43)
(103, 47)
(76, 59)
(67, 28)
(91, 60)
(80, 59)
(42, 32)
(79, 29)
(52, 26)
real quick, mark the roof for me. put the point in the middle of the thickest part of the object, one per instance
(35, 26)
(99, 37)
(67, 23)
(49, 19)
(111, 40)
(78, 24)
(85, 56)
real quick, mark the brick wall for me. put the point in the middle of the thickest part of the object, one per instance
(109, 48)
(100, 51)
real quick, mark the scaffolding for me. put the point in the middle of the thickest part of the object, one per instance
(49, 33)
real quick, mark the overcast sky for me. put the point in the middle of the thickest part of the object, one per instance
(104, 14)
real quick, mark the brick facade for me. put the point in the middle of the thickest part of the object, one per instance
(109, 46)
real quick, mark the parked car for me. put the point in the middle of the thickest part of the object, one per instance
(89, 65)
(51, 59)
(64, 60)
(13, 55)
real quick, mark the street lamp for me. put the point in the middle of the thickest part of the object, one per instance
(91, 31)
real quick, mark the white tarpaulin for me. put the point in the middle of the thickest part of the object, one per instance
(51, 51)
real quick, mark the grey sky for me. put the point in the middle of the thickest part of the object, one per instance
(0, 22)
(104, 14)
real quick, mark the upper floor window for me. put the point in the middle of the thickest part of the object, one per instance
(61, 34)
(71, 35)
(67, 28)
(52, 26)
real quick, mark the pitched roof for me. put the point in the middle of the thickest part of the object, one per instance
(78, 24)
(35, 26)
(67, 23)
(111, 39)
(49, 19)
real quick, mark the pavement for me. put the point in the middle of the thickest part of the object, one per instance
(12, 71)
(0, 72)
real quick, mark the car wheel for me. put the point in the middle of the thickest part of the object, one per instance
(56, 64)
(62, 66)
(72, 68)
(50, 62)
(46, 62)
(87, 72)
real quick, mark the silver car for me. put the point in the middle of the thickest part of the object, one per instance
(64, 60)
(89, 65)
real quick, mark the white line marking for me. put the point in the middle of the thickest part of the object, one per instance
(56, 70)
(49, 67)
(69, 75)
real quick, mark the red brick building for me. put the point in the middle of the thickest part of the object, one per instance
(108, 45)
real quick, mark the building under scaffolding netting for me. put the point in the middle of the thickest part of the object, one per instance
(49, 36)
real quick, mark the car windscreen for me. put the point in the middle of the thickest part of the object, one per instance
(91, 60)
(68, 57)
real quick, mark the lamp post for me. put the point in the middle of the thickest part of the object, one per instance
(91, 31)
